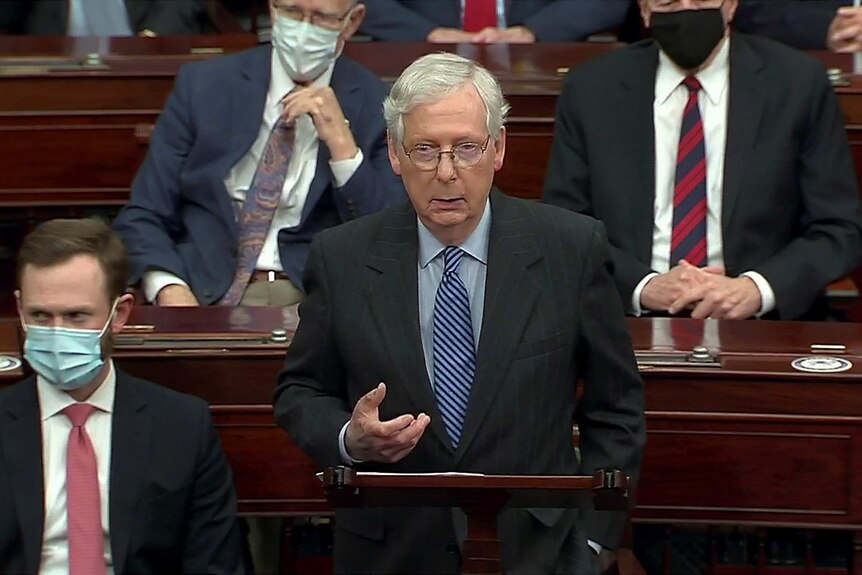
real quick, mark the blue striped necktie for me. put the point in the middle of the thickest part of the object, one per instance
(454, 351)
(688, 238)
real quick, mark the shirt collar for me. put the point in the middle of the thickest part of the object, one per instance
(714, 78)
(52, 400)
(476, 244)
(280, 84)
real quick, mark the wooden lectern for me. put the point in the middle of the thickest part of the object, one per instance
(481, 497)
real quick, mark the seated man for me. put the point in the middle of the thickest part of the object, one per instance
(483, 21)
(104, 17)
(719, 164)
(450, 334)
(101, 471)
(253, 154)
(804, 24)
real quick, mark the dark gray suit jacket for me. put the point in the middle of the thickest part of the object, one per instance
(172, 502)
(790, 207)
(551, 316)
(48, 17)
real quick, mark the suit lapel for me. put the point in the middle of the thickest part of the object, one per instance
(22, 444)
(745, 104)
(510, 294)
(130, 451)
(635, 116)
(394, 301)
(248, 97)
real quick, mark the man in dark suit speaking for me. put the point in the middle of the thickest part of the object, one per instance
(450, 334)
(101, 472)
(718, 163)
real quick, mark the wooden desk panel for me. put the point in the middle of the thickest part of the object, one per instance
(748, 441)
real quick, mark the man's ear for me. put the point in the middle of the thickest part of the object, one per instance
(392, 148)
(124, 309)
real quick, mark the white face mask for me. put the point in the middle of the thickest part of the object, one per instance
(306, 50)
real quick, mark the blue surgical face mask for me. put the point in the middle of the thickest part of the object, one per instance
(305, 50)
(67, 358)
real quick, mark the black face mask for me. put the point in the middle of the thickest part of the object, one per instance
(688, 37)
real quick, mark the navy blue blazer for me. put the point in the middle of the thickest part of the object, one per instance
(802, 24)
(172, 502)
(180, 218)
(550, 20)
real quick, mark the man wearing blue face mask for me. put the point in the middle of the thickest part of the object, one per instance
(101, 472)
(719, 164)
(253, 154)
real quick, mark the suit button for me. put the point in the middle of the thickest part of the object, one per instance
(452, 548)
(208, 293)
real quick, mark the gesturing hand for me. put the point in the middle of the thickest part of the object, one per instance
(369, 439)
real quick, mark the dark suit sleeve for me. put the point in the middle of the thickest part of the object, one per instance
(13, 16)
(166, 17)
(567, 21)
(392, 21)
(212, 542)
(311, 397)
(568, 182)
(374, 186)
(610, 413)
(829, 244)
(153, 212)
(799, 23)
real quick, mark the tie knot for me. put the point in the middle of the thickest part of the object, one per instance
(452, 259)
(78, 413)
(692, 83)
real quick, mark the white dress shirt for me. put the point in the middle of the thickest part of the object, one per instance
(297, 183)
(670, 100)
(55, 438)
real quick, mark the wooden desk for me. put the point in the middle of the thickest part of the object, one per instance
(720, 437)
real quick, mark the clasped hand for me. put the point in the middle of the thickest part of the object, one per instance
(706, 291)
(369, 439)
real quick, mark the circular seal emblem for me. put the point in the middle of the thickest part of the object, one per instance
(8, 363)
(821, 364)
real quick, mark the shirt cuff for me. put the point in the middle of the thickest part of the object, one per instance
(636, 295)
(155, 281)
(343, 170)
(342, 447)
(597, 547)
(767, 296)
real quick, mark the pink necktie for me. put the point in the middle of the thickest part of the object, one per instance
(86, 542)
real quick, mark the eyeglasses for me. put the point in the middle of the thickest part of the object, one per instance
(466, 154)
(323, 19)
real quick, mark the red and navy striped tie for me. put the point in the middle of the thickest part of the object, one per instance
(688, 239)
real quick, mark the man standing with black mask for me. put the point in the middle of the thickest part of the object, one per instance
(718, 163)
